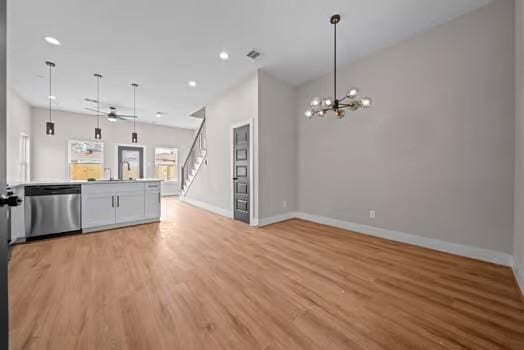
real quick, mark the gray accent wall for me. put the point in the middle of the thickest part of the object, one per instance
(277, 144)
(518, 243)
(435, 155)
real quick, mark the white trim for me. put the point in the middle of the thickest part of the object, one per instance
(253, 220)
(217, 210)
(70, 142)
(431, 243)
(519, 275)
(436, 244)
(277, 218)
(176, 162)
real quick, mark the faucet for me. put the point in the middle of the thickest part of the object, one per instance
(122, 168)
(110, 175)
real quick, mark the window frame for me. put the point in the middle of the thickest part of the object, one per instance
(171, 148)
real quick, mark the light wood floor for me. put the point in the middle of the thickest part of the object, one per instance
(200, 281)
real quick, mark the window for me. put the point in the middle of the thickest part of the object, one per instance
(130, 162)
(86, 160)
(24, 159)
(166, 163)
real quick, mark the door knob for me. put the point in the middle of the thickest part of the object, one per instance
(11, 201)
(235, 178)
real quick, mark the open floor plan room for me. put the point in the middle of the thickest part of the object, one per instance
(273, 175)
(200, 281)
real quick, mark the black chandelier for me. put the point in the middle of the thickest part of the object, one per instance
(352, 100)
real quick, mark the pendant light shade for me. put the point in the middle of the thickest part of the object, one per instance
(50, 126)
(134, 135)
(98, 129)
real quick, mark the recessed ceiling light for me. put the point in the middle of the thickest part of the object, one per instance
(192, 83)
(52, 97)
(51, 40)
(223, 55)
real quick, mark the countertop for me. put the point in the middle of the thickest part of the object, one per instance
(83, 182)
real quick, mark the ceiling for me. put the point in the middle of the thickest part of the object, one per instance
(161, 45)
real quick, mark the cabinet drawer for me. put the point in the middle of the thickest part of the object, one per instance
(152, 186)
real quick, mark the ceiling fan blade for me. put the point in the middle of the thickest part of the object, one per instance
(90, 100)
(94, 110)
(127, 116)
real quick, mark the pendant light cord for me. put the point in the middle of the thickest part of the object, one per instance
(335, 64)
(134, 107)
(50, 91)
(98, 102)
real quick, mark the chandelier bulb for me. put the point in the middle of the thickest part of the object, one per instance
(315, 102)
(365, 102)
(328, 102)
(340, 113)
(308, 114)
(352, 93)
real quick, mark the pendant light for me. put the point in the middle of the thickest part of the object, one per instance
(134, 135)
(50, 126)
(98, 130)
(352, 99)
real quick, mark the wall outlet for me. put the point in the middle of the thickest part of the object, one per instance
(372, 214)
(284, 204)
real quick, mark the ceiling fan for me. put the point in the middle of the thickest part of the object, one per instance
(112, 114)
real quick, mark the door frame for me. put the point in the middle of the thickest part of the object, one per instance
(117, 166)
(250, 122)
(4, 250)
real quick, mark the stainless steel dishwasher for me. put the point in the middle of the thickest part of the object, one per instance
(51, 209)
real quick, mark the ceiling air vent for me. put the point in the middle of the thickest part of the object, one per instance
(253, 54)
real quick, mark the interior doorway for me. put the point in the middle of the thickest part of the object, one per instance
(241, 174)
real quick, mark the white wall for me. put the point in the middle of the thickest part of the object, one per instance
(49, 153)
(518, 243)
(435, 155)
(277, 146)
(18, 122)
(214, 181)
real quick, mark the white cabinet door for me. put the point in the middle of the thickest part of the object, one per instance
(129, 206)
(152, 203)
(98, 209)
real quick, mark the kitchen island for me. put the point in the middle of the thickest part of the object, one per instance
(100, 205)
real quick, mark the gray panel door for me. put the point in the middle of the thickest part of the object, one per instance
(241, 173)
(4, 306)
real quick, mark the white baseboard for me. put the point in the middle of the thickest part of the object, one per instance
(436, 244)
(519, 275)
(277, 218)
(217, 210)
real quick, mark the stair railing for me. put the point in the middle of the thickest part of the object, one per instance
(197, 150)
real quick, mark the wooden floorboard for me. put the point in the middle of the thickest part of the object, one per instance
(200, 281)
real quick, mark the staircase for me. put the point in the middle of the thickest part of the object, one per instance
(195, 158)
